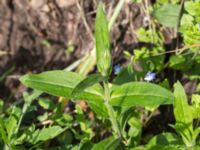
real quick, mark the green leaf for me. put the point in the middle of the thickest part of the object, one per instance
(140, 94)
(46, 103)
(168, 15)
(62, 83)
(196, 100)
(113, 144)
(196, 106)
(125, 76)
(165, 84)
(165, 139)
(98, 108)
(138, 148)
(28, 98)
(135, 131)
(183, 114)
(187, 20)
(193, 8)
(85, 145)
(135, 127)
(107, 144)
(86, 83)
(45, 134)
(182, 111)
(196, 132)
(65, 147)
(178, 62)
(1, 105)
(125, 116)
(12, 121)
(103, 51)
(166, 147)
(197, 147)
(3, 131)
(64, 120)
(160, 147)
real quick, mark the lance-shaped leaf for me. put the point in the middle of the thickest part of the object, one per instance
(140, 94)
(103, 52)
(86, 83)
(182, 110)
(109, 143)
(183, 114)
(62, 83)
(45, 134)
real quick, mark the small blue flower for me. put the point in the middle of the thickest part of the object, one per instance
(150, 76)
(117, 69)
(199, 26)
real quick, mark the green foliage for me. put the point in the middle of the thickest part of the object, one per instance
(101, 99)
(193, 8)
(46, 103)
(149, 36)
(10, 126)
(184, 115)
(107, 144)
(118, 122)
(62, 86)
(177, 62)
(103, 51)
(145, 57)
(140, 94)
(1, 105)
(88, 82)
(190, 32)
(165, 139)
(43, 134)
(126, 75)
(196, 106)
(169, 11)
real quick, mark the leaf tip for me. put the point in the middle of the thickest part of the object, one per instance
(23, 78)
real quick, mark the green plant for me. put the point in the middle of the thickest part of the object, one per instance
(187, 130)
(13, 138)
(107, 100)
(184, 115)
(120, 107)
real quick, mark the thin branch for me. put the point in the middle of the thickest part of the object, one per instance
(180, 50)
(84, 20)
(116, 13)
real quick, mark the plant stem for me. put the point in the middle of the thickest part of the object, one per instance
(110, 109)
(28, 101)
(116, 13)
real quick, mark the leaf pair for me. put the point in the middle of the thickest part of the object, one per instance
(130, 94)
(62, 83)
(72, 85)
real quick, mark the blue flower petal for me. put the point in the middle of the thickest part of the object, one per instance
(117, 69)
(150, 76)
